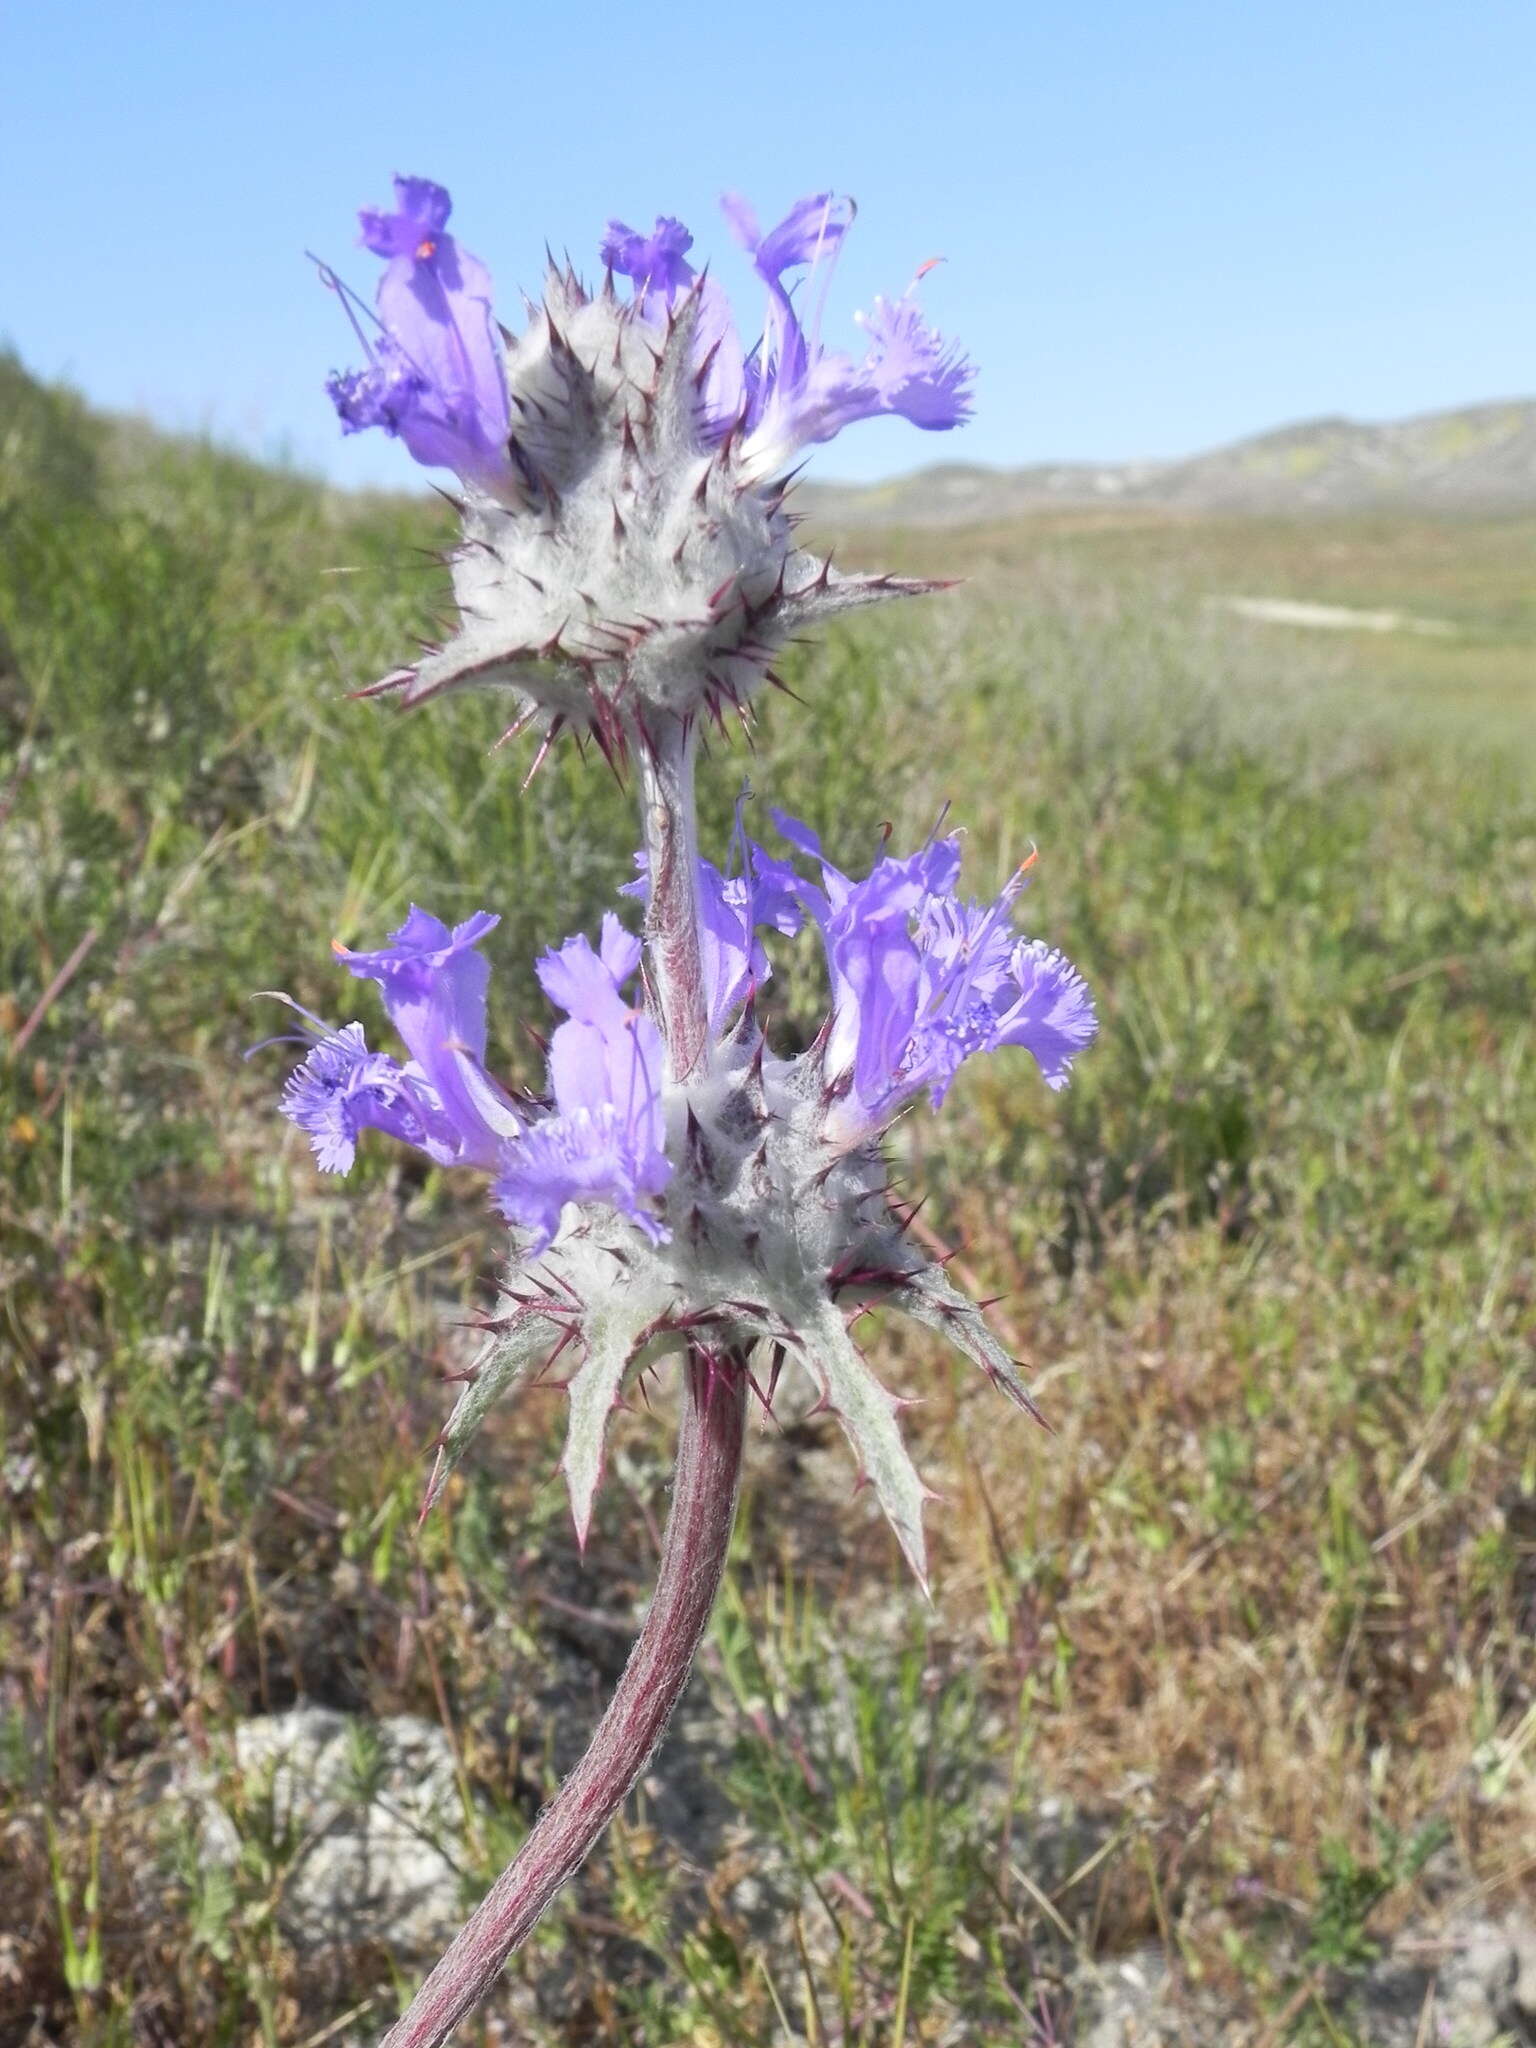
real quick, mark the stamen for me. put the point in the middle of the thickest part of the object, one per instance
(352, 305)
(813, 339)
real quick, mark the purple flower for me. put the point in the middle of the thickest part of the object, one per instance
(922, 978)
(810, 232)
(341, 1088)
(434, 983)
(442, 1101)
(415, 228)
(607, 1139)
(804, 393)
(790, 390)
(810, 235)
(434, 373)
(909, 369)
(604, 1140)
(732, 911)
(657, 265)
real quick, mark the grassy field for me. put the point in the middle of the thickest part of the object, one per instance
(1238, 1660)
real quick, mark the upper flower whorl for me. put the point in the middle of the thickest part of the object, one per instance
(623, 571)
(626, 560)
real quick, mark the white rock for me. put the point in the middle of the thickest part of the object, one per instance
(361, 1817)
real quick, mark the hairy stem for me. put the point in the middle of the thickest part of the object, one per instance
(669, 823)
(693, 1557)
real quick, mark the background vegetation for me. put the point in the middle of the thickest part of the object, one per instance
(1239, 1659)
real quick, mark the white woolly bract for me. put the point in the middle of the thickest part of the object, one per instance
(634, 569)
(776, 1238)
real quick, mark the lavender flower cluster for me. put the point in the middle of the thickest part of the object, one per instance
(627, 570)
(920, 980)
(435, 374)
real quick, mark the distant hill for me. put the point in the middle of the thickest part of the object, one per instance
(1479, 458)
(1475, 459)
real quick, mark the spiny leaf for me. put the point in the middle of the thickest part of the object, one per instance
(931, 1297)
(815, 590)
(502, 1363)
(614, 1331)
(868, 1412)
(463, 662)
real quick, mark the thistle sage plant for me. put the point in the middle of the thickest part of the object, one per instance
(627, 572)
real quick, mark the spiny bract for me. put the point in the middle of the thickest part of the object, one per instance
(780, 1238)
(628, 569)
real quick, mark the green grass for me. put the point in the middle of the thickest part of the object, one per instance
(1478, 684)
(1261, 1605)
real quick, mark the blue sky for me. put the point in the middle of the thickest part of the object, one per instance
(1166, 224)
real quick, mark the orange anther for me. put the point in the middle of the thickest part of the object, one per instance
(426, 249)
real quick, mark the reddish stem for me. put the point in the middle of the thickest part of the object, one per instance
(698, 1534)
